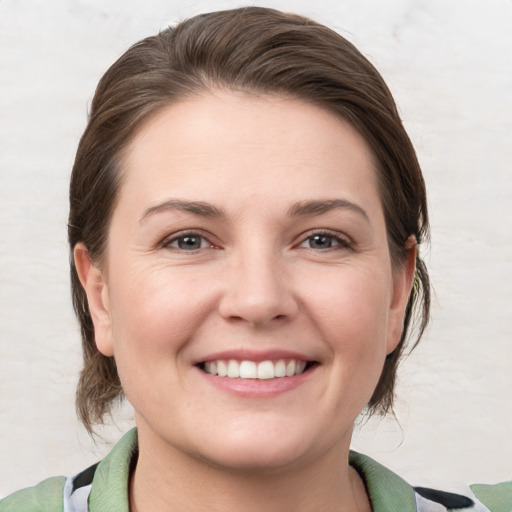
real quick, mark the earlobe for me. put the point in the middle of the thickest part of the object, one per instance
(96, 289)
(403, 279)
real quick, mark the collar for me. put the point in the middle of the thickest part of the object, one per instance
(110, 484)
(387, 491)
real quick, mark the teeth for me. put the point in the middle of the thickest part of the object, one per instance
(234, 369)
(248, 370)
(280, 369)
(266, 370)
(290, 368)
(222, 369)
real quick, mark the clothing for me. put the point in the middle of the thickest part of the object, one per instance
(104, 488)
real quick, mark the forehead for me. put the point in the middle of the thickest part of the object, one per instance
(234, 145)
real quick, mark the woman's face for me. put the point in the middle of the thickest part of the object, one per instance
(247, 293)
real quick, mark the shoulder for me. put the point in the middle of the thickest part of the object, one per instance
(390, 493)
(47, 496)
(99, 488)
(475, 498)
(497, 498)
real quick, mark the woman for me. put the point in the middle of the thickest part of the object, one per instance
(245, 214)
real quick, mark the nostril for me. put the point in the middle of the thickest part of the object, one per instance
(257, 302)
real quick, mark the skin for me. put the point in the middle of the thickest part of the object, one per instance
(257, 280)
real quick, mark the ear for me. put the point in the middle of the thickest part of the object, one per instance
(96, 289)
(403, 279)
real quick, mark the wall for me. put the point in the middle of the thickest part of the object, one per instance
(449, 65)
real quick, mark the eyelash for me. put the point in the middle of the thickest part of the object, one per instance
(168, 242)
(340, 241)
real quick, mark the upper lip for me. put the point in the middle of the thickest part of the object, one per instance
(255, 355)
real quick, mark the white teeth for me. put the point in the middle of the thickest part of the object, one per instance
(280, 369)
(263, 370)
(233, 369)
(222, 369)
(290, 368)
(266, 370)
(248, 370)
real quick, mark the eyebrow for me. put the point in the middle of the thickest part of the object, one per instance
(316, 207)
(199, 208)
(302, 208)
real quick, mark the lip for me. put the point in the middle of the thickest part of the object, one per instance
(254, 355)
(256, 388)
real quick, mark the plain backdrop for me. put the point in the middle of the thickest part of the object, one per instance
(449, 65)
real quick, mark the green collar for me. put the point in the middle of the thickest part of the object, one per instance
(388, 492)
(110, 484)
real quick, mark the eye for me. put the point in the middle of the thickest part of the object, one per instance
(324, 241)
(188, 242)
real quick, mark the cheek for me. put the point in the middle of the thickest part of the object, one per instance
(352, 305)
(352, 314)
(156, 310)
(155, 315)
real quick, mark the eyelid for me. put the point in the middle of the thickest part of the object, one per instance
(344, 240)
(168, 240)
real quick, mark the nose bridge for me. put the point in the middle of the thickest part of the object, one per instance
(257, 290)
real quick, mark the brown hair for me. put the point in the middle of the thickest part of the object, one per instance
(256, 50)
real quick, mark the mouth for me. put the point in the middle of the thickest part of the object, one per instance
(256, 370)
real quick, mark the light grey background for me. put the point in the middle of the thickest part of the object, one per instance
(449, 64)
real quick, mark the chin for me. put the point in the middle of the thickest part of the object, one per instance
(254, 459)
(267, 450)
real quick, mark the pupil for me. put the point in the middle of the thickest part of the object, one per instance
(321, 242)
(189, 242)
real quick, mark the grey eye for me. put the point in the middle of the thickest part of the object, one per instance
(321, 241)
(190, 242)
(324, 241)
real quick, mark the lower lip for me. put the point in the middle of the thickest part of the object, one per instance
(257, 388)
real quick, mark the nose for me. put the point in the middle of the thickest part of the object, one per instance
(258, 291)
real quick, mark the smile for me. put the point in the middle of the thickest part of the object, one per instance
(262, 370)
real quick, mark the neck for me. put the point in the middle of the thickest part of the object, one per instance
(173, 480)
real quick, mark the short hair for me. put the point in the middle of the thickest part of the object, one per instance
(261, 51)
